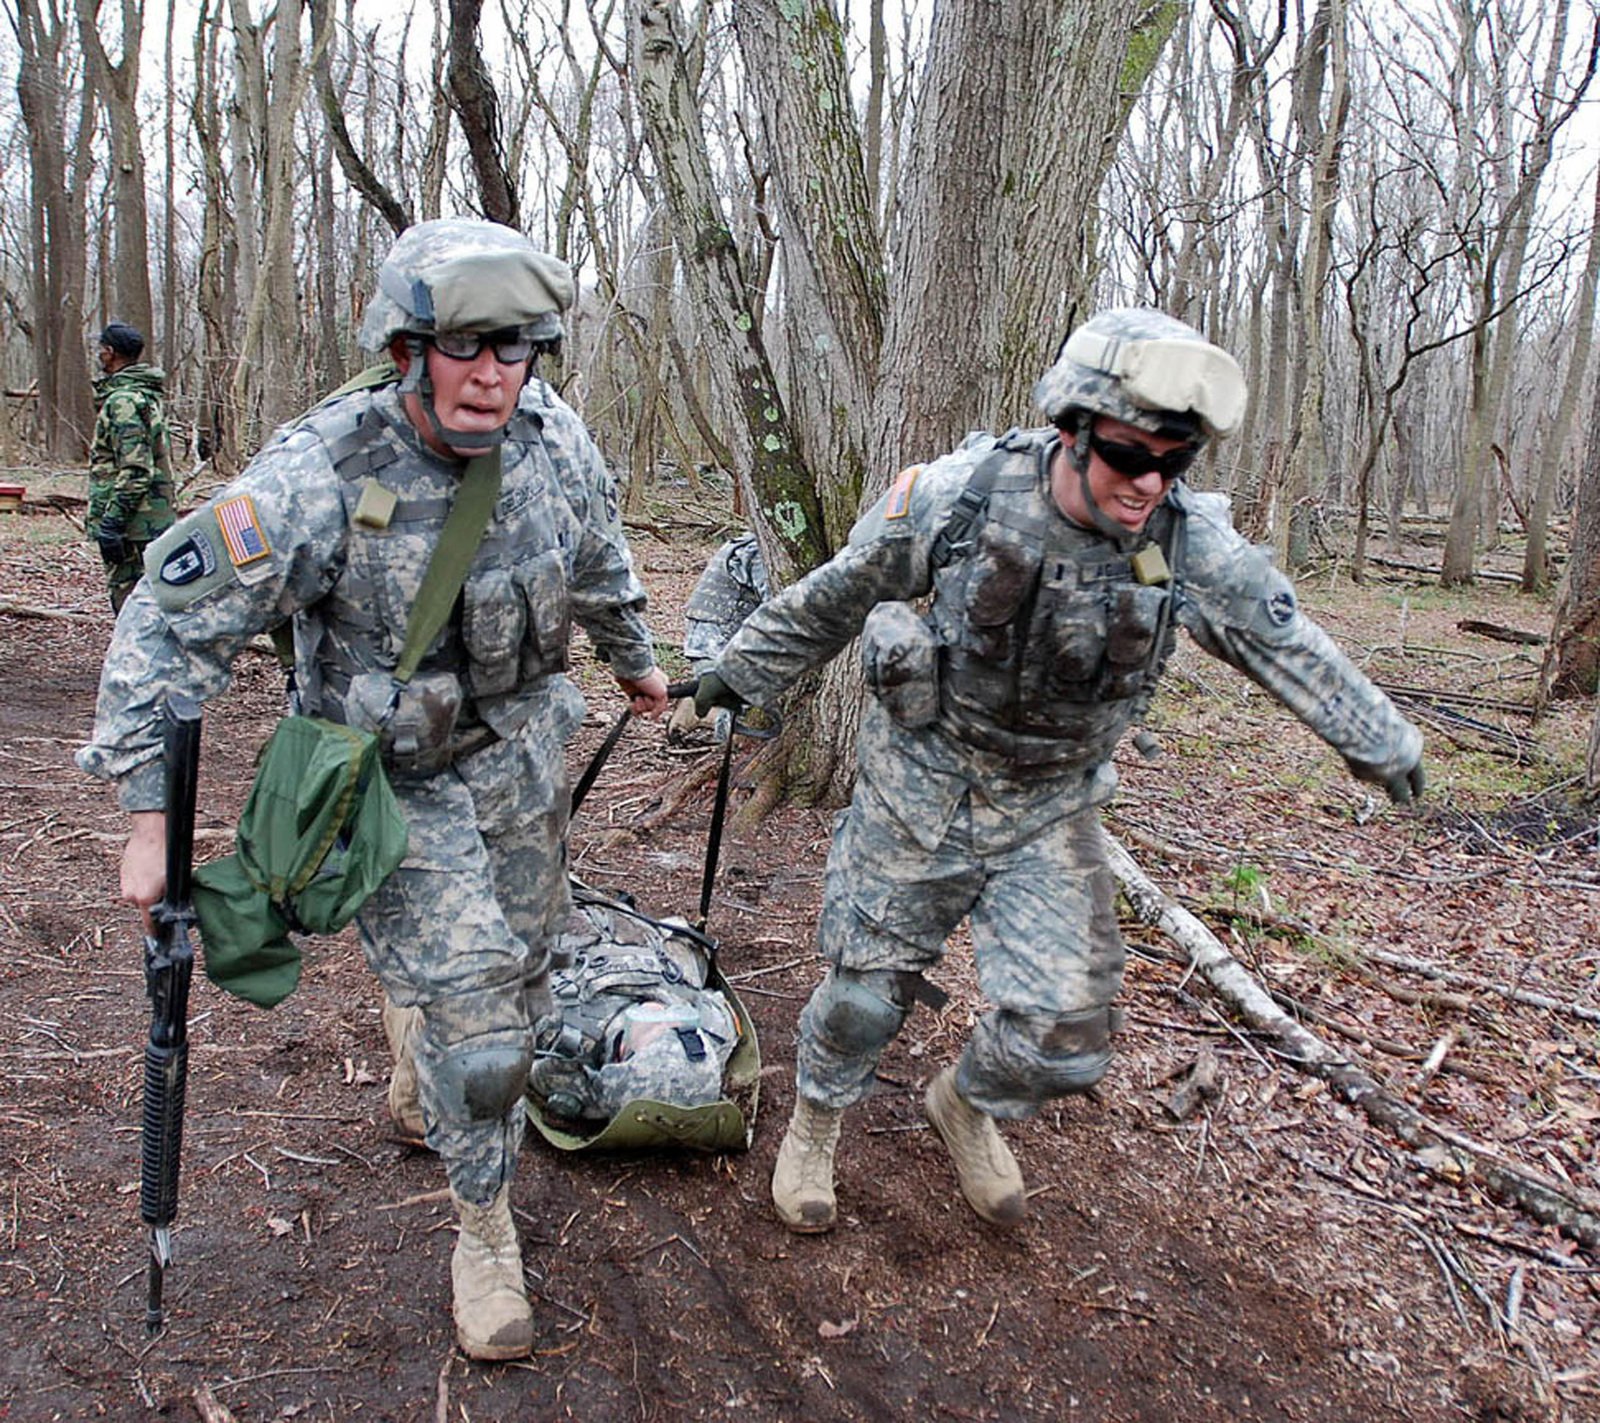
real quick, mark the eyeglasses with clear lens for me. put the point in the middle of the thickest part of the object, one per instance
(1134, 460)
(511, 344)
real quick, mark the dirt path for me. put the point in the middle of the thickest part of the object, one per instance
(1273, 1257)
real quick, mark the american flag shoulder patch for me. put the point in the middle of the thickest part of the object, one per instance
(898, 504)
(242, 534)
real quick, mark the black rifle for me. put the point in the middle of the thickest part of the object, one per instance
(168, 966)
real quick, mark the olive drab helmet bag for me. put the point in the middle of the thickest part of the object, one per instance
(320, 831)
(648, 1046)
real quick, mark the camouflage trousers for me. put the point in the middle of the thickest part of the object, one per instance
(1041, 905)
(463, 929)
(123, 574)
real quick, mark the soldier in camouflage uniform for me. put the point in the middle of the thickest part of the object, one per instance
(130, 475)
(731, 587)
(332, 525)
(1060, 561)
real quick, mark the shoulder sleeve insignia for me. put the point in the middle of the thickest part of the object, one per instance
(242, 534)
(898, 504)
(1280, 608)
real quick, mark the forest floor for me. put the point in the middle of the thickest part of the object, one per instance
(1275, 1256)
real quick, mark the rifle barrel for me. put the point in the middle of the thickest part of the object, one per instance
(168, 968)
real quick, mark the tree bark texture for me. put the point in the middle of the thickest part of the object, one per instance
(118, 85)
(58, 182)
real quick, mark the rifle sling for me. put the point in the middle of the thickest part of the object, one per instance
(447, 569)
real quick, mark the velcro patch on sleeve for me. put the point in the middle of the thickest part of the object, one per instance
(898, 504)
(242, 534)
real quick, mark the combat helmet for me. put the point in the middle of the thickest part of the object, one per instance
(1148, 370)
(467, 275)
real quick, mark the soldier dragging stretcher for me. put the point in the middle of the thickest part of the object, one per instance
(1060, 562)
(333, 527)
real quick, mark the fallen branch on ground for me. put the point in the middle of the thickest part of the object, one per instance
(1443, 1154)
(28, 610)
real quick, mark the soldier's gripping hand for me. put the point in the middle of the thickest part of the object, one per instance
(1403, 786)
(144, 863)
(712, 692)
(647, 695)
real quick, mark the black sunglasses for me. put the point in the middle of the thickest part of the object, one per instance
(511, 344)
(1134, 460)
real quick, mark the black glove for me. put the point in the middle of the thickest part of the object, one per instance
(1403, 787)
(712, 692)
(112, 536)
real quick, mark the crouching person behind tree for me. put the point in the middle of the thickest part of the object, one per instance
(333, 526)
(1060, 561)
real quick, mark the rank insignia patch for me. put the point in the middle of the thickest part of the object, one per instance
(241, 530)
(899, 502)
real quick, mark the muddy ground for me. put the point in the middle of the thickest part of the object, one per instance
(1275, 1256)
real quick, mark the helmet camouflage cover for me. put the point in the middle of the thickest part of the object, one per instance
(1147, 369)
(465, 274)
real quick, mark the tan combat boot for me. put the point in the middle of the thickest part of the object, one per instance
(802, 1181)
(988, 1172)
(493, 1320)
(401, 1026)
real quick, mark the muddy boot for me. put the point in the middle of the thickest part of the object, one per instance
(990, 1179)
(493, 1320)
(401, 1026)
(802, 1181)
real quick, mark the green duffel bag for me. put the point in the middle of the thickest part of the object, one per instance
(648, 1046)
(320, 831)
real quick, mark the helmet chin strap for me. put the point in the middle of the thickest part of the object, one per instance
(1078, 452)
(417, 382)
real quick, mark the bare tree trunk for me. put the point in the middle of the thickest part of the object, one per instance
(356, 172)
(118, 85)
(171, 354)
(1572, 660)
(1536, 561)
(759, 433)
(472, 96)
(1325, 54)
(273, 343)
(1505, 248)
(60, 249)
(218, 425)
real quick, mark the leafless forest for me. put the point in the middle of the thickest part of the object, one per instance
(816, 242)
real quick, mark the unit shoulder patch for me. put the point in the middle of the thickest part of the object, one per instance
(898, 503)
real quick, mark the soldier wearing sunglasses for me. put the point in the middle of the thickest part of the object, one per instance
(1057, 563)
(330, 531)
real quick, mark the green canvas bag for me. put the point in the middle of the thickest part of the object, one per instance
(321, 829)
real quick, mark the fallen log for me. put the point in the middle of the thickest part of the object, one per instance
(1501, 633)
(1442, 1153)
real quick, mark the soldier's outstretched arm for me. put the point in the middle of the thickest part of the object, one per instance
(1241, 608)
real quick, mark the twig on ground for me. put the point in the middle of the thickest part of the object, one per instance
(1444, 1154)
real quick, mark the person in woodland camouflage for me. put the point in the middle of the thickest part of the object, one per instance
(130, 475)
(332, 525)
(1060, 561)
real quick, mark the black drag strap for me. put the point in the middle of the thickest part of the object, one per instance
(719, 812)
(597, 762)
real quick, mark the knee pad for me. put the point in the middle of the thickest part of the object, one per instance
(859, 1011)
(481, 1079)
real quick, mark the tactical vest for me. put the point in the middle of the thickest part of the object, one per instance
(515, 613)
(1049, 645)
